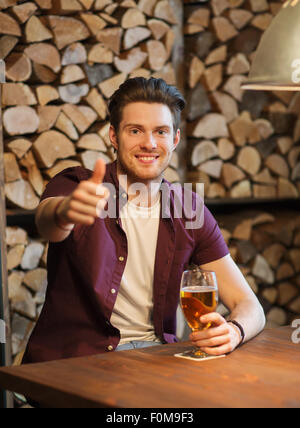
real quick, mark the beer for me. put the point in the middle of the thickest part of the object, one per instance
(197, 301)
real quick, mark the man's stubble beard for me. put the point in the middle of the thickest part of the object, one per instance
(123, 169)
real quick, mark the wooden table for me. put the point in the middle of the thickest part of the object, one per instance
(264, 372)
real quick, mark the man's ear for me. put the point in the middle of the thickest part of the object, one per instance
(176, 139)
(113, 137)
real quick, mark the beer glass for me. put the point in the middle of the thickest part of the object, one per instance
(198, 296)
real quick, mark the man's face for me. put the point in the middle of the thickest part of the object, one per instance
(145, 141)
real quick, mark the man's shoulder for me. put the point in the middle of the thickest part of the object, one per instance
(78, 172)
(183, 204)
(182, 190)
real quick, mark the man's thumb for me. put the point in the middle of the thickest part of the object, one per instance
(99, 171)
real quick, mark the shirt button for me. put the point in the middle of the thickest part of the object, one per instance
(113, 291)
(110, 348)
(121, 259)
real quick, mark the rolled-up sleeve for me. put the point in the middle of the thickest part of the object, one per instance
(210, 244)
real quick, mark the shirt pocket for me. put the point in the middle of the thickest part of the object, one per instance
(179, 265)
(78, 232)
(181, 258)
(77, 240)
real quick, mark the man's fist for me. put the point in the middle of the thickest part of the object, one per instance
(87, 201)
(221, 338)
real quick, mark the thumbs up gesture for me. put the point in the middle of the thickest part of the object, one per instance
(99, 172)
(87, 201)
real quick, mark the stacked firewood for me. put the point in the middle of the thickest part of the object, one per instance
(27, 283)
(63, 62)
(266, 246)
(241, 144)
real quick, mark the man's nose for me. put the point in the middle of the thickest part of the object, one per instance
(149, 142)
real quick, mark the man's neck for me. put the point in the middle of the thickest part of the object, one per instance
(141, 193)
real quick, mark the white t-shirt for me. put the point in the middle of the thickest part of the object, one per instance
(132, 313)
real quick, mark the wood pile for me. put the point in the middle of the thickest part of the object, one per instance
(63, 61)
(266, 246)
(27, 283)
(241, 144)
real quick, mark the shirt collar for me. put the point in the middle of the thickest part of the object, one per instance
(121, 196)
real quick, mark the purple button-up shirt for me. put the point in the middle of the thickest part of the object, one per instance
(85, 268)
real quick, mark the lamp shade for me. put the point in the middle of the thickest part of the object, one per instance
(276, 64)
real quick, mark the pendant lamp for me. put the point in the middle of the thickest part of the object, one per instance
(276, 64)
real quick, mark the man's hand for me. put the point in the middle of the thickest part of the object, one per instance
(220, 338)
(87, 201)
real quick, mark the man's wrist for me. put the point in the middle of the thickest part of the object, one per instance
(60, 223)
(240, 331)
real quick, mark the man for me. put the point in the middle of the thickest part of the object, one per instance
(113, 280)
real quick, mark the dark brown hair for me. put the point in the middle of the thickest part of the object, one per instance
(150, 91)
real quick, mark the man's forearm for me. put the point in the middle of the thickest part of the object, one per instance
(45, 221)
(250, 315)
(237, 296)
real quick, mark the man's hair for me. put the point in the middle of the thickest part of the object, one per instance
(149, 91)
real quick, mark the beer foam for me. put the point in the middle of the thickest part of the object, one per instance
(199, 289)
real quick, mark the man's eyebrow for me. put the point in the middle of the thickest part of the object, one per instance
(137, 125)
(163, 127)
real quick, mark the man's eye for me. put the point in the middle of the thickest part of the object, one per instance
(135, 131)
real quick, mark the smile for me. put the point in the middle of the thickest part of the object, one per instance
(147, 159)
